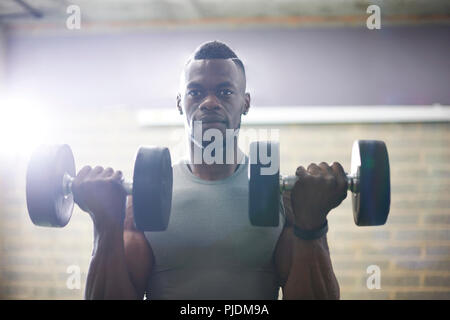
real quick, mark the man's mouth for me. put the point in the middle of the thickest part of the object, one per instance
(212, 120)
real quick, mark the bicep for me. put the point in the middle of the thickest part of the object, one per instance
(138, 253)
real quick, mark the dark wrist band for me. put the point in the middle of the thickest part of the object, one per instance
(311, 234)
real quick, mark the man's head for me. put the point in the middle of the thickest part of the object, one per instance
(212, 88)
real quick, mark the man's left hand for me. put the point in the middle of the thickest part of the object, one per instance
(319, 189)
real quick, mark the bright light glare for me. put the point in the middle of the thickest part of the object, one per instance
(23, 126)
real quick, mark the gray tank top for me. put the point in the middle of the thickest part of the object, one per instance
(210, 250)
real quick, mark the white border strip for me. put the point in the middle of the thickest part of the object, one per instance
(313, 115)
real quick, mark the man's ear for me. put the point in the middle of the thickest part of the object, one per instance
(180, 109)
(246, 103)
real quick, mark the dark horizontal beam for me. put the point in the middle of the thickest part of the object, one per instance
(34, 12)
(29, 10)
(14, 15)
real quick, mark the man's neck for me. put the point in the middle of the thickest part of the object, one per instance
(215, 171)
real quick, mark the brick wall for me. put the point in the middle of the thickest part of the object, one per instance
(412, 250)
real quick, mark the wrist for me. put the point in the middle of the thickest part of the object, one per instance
(306, 224)
(107, 238)
(308, 219)
(108, 227)
(108, 220)
(311, 234)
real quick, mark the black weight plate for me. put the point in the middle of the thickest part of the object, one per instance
(152, 188)
(47, 205)
(264, 189)
(371, 205)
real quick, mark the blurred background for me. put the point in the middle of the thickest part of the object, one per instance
(316, 72)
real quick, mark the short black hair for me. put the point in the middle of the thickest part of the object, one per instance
(216, 50)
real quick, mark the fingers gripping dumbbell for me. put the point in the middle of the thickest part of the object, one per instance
(51, 172)
(368, 180)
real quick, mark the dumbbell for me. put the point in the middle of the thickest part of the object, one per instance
(369, 182)
(51, 171)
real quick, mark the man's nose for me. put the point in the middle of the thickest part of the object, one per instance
(210, 103)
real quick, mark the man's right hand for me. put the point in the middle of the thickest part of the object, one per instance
(99, 192)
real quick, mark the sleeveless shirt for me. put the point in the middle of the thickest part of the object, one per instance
(210, 250)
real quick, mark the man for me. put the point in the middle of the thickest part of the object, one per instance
(210, 250)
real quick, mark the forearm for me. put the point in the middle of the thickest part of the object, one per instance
(311, 274)
(108, 277)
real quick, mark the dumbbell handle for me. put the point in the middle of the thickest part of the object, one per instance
(68, 180)
(287, 182)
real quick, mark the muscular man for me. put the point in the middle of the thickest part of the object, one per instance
(210, 250)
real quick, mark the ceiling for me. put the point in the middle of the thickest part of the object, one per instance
(148, 13)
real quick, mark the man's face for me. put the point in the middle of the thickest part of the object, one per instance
(213, 91)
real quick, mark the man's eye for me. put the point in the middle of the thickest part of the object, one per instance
(194, 93)
(226, 92)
